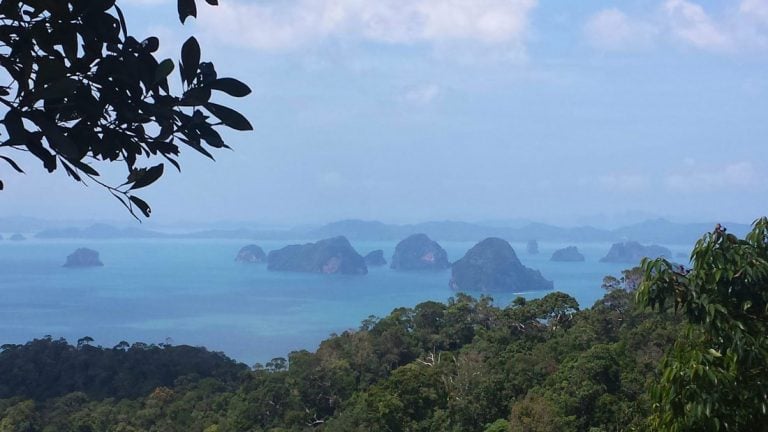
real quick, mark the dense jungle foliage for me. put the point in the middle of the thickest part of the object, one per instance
(465, 366)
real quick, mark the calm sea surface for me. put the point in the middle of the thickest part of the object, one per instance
(193, 292)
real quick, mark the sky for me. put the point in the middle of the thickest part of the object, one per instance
(476, 110)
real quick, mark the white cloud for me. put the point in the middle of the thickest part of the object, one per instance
(689, 22)
(736, 28)
(712, 178)
(292, 23)
(611, 29)
(755, 9)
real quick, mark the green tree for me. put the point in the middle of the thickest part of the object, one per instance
(83, 93)
(716, 375)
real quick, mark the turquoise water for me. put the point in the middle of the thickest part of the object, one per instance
(193, 292)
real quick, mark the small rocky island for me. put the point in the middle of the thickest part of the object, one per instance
(419, 252)
(632, 252)
(251, 254)
(492, 266)
(17, 237)
(568, 254)
(375, 259)
(83, 257)
(330, 256)
(532, 247)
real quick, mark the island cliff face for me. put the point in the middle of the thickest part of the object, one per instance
(419, 252)
(492, 266)
(83, 257)
(632, 252)
(330, 256)
(375, 259)
(251, 254)
(569, 254)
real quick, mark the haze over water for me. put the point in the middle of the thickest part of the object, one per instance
(193, 292)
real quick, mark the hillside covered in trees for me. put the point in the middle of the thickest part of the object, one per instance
(465, 365)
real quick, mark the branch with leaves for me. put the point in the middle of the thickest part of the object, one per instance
(83, 91)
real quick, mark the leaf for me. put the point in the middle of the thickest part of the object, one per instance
(212, 2)
(145, 176)
(163, 70)
(58, 89)
(229, 117)
(12, 163)
(36, 148)
(122, 20)
(190, 59)
(1, 185)
(187, 8)
(84, 167)
(57, 140)
(196, 96)
(231, 87)
(15, 127)
(71, 171)
(141, 204)
(151, 43)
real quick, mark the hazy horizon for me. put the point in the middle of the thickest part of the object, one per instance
(572, 113)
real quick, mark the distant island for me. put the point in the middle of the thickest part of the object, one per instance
(419, 252)
(251, 254)
(375, 258)
(83, 257)
(632, 252)
(658, 230)
(493, 266)
(98, 231)
(567, 254)
(532, 247)
(17, 237)
(329, 256)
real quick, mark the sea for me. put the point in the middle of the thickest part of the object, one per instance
(181, 291)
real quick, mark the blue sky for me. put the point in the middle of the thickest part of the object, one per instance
(566, 112)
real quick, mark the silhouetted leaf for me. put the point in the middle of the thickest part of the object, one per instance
(15, 127)
(84, 167)
(229, 117)
(58, 89)
(121, 17)
(163, 69)
(36, 148)
(151, 44)
(187, 8)
(196, 96)
(141, 204)
(212, 2)
(71, 171)
(231, 87)
(190, 59)
(12, 163)
(145, 176)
